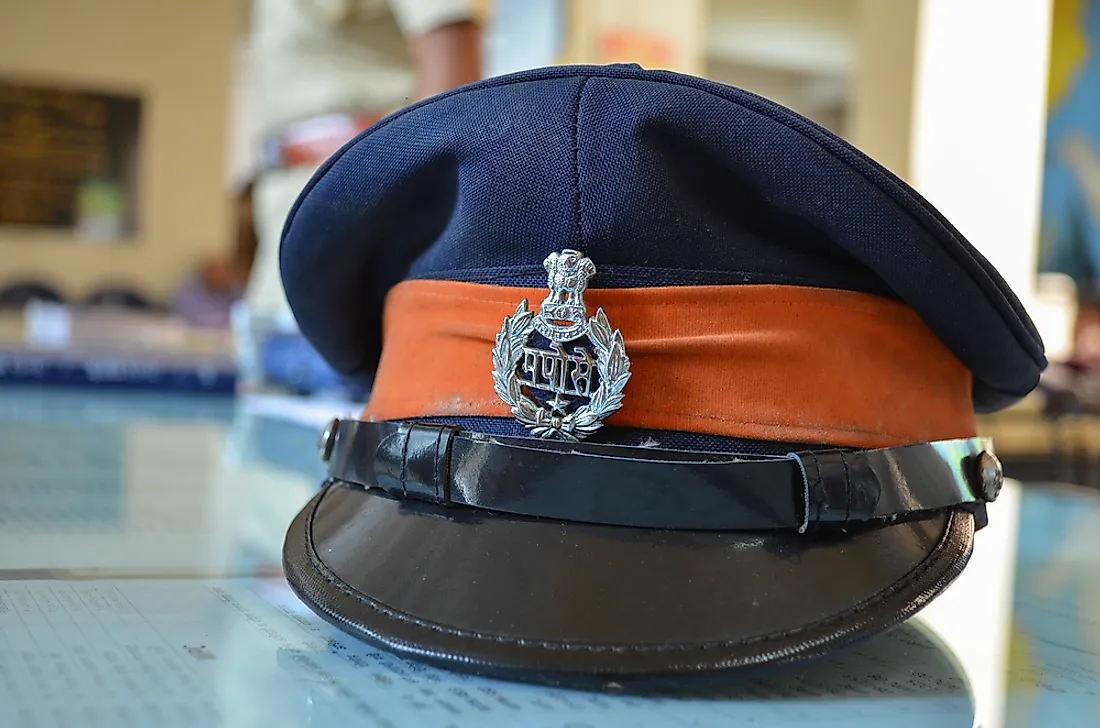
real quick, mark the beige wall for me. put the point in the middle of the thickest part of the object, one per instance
(177, 55)
(806, 36)
(880, 122)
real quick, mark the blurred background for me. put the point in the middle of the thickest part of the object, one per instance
(149, 152)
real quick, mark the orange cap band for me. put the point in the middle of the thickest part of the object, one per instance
(764, 362)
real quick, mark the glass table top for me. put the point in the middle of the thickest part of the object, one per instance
(140, 584)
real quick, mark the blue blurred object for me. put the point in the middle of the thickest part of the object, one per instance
(114, 371)
(289, 361)
(1070, 241)
(200, 306)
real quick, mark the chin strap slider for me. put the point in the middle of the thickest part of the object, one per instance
(413, 462)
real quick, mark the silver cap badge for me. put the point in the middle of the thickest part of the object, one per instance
(561, 373)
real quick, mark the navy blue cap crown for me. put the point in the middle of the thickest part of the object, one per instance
(664, 179)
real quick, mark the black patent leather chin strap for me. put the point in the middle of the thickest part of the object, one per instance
(651, 488)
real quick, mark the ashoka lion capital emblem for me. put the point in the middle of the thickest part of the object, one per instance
(560, 372)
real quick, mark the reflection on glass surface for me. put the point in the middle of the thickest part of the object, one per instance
(1054, 675)
(141, 484)
(61, 475)
(140, 584)
(244, 652)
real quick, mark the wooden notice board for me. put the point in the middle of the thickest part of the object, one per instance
(68, 159)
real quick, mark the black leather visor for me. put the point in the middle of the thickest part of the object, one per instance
(403, 550)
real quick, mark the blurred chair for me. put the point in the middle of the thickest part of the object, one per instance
(16, 296)
(119, 297)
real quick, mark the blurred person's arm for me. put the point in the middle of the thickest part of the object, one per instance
(446, 57)
(444, 41)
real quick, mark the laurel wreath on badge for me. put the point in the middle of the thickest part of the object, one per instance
(611, 363)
